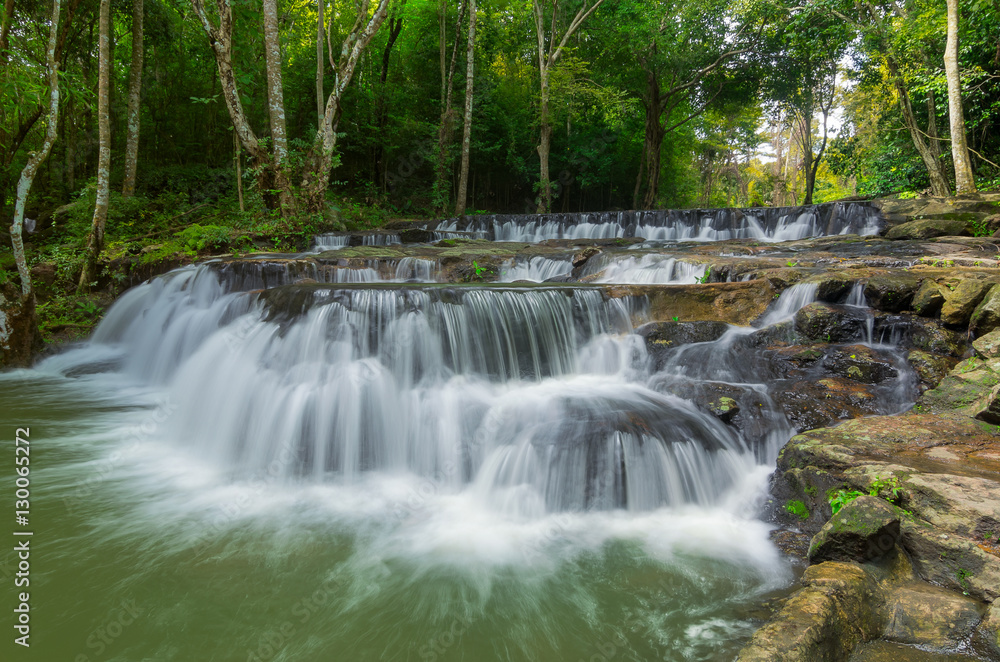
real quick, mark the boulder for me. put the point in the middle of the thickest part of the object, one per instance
(928, 299)
(988, 346)
(930, 368)
(416, 236)
(724, 409)
(952, 561)
(832, 286)
(860, 363)
(988, 410)
(839, 607)
(986, 316)
(863, 530)
(891, 292)
(816, 403)
(962, 301)
(825, 322)
(931, 617)
(931, 336)
(928, 228)
(664, 335)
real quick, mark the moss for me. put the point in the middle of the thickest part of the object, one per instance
(797, 508)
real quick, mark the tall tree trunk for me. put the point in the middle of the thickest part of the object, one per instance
(96, 241)
(276, 107)
(35, 159)
(382, 104)
(446, 125)
(470, 61)
(652, 142)
(5, 20)
(221, 40)
(934, 142)
(965, 179)
(320, 6)
(550, 48)
(320, 159)
(134, 90)
(805, 135)
(939, 183)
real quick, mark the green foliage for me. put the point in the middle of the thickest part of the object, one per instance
(980, 228)
(797, 508)
(886, 488)
(196, 238)
(841, 498)
(705, 276)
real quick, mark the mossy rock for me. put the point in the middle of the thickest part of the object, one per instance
(986, 316)
(829, 323)
(929, 228)
(928, 300)
(891, 292)
(988, 346)
(863, 530)
(962, 301)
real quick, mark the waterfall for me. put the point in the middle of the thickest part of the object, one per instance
(647, 269)
(330, 242)
(791, 300)
(537, 269)
(769, 224)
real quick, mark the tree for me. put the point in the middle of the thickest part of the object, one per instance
(316, 178)
(965, 179)
(463, 179)
(445, 125)
(319, 62)
(276, 106)
(550, 47)
(96, 240)
(134, 89)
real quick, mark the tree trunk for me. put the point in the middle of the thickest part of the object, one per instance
(316, 177)
(36, 159)
(805, 135)
(652, 143)
(440, 189)
(276, 107)
(382, 104)
(463, 179)
(550, 48)
(932, 132)
(544, 147)
(96, 241)
(939, 183)
(965, 179)
(134, 90)
(320, 5)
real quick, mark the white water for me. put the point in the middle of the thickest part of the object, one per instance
(537, 269)
(648, 269)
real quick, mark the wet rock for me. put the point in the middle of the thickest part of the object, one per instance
(930, 368)
(931, 617)
(20, 338)
(43, 278)
(986, 316)
(989, 411)
(838, 608)
(891, 292)
(988, 346)
(952, 561)
(724, 409)
(812, 403)
(962, 301)
(931, 336)
(415, 236)
(860, 363)
(928, 299)
(583, 256)
(863, 530)
(665, 335)
(928, 228)
(987, 635)
(831, 323)
(832, 286)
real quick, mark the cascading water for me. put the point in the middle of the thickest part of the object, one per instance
(647, 269)
(537, 269)
(762, 224)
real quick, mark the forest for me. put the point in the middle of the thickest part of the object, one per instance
(229, 124)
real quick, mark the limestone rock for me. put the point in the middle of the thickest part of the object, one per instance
(952, 561)
(860, 363)
(928, 299)
(724, 408)
(930, 616)
(825, 322)
(930, 368)
(962, 301)
(986, 316)
(989, 410)
(838, 609)
(988, 346)
(416, 236)
(865, 529)
(891, 292)
(664, 335)
(928, 228)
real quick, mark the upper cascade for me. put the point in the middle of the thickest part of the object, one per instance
(760, 223)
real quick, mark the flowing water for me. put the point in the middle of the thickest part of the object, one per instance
(238, 468)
